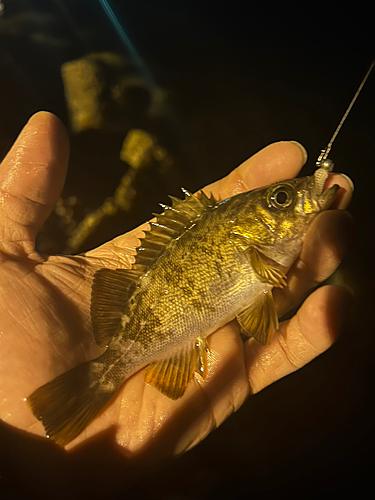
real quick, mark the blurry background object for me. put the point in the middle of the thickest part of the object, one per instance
(102, 91)
(140, 151)
(83, 87)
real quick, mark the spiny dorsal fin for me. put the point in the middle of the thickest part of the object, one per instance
(171, 224)
(110, 293)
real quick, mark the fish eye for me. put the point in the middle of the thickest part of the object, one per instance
(280, 197)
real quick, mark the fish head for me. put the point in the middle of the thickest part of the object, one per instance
(278, 216)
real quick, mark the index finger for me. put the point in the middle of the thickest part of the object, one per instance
(276, 162)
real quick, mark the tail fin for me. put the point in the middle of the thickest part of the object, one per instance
(68, 403)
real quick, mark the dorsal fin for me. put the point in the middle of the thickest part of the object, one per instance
(171, 224)
(111, 290)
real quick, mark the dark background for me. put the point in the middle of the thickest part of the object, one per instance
(236, 79)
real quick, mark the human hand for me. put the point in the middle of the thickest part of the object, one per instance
(45, 326)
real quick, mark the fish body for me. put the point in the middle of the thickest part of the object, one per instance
(201, 265)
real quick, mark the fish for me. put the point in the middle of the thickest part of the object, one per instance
(201, 264)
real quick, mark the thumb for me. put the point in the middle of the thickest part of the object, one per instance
(31, 178)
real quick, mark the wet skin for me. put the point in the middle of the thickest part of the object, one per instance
(45, 326)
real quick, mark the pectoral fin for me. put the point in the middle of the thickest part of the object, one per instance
(260, 320)
(172, 375)
(270, 274)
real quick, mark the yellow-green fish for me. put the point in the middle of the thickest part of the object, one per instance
(201, 265)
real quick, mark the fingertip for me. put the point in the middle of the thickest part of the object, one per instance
(342, 304)
(326, 243)
(42, 120)
(47, 124)
(301, 150)
(33, 172)
(349, 182)
(345, 193)
(42, 116)
(36, 165)
(45, 136)
(324, 315)
(277, 161)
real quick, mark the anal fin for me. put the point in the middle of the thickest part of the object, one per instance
(172, 375)
(260, 320)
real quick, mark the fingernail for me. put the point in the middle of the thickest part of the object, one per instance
(350, 182)
(302, 150)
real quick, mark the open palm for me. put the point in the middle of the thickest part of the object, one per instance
(45, 326)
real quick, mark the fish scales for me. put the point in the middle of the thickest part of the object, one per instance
(180, 292)
(177, 300)
(201, 265)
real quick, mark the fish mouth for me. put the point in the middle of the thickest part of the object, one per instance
(325, 200)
